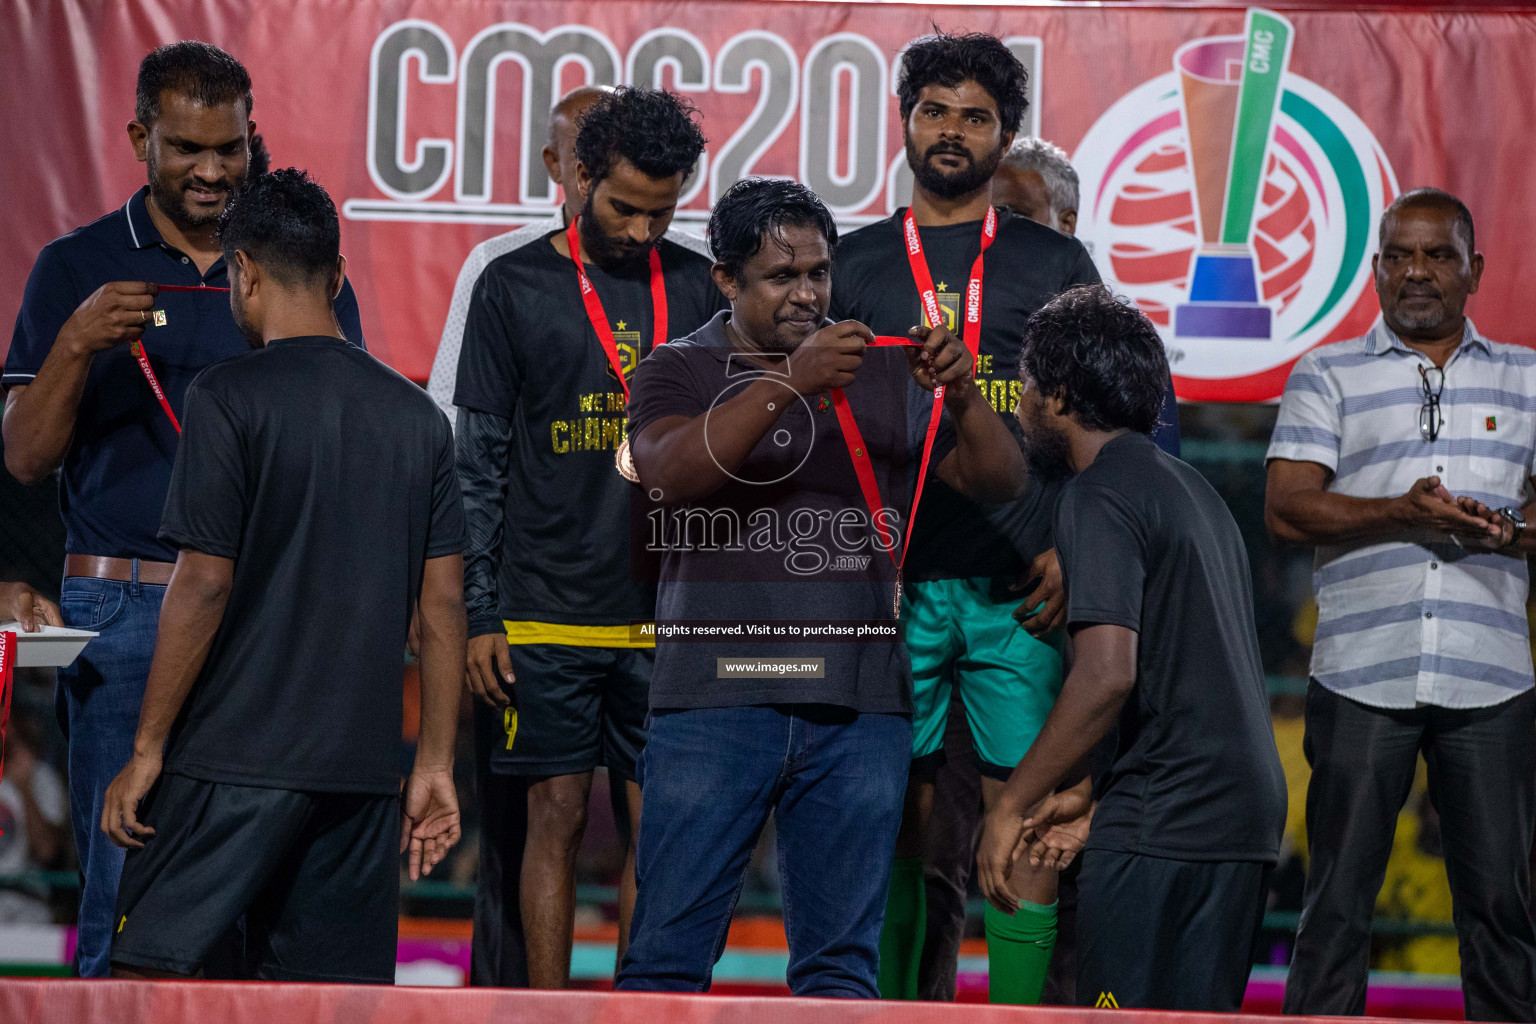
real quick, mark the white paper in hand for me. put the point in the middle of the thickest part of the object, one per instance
(50, 647)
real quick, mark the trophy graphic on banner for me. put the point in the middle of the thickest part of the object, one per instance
(1230, 88)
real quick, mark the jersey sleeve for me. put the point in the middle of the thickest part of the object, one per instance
(445, 365)
(482, 443)
(1308, 426)
(50, 298)
(490, 374)
(845, 292)
(205, 507)
(445, 531)
(1103, 553)
(1080, 270)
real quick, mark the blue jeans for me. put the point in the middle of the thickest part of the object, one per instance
(98, 702)
(834, 781)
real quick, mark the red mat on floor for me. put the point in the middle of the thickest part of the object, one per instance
(42, 1001)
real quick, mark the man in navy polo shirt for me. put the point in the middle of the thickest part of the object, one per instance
(77, 401)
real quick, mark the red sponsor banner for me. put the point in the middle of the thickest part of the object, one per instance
(425, 122)
(33, 1001)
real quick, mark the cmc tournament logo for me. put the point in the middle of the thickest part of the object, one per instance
(1237, 205)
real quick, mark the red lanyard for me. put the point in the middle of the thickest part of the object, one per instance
(154, 383)
(972, 330)
(7, 657)
(600, 319)
(138, 350)
(858, 452)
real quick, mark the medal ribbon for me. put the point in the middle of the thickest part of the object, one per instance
(7, 659)
(154, 383)
(138, 350)
(858, 452)
(600, 319)
(971, 332)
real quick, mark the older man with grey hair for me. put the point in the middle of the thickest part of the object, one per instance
(1037, 180)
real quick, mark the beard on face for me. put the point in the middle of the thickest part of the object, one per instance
(171, 197)
(788, 334)
(1426, 320)
(1046, 450)
(951, 184)
(606, 252)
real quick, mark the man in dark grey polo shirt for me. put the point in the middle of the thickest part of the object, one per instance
(774, 419)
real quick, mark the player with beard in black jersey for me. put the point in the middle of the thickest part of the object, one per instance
(987, 269)
(549, 345)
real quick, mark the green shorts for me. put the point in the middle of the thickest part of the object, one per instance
(962, 633)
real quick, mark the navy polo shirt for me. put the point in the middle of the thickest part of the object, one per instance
(113, 483)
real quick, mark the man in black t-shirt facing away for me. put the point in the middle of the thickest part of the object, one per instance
(549, 346)
(315, 509)
(780, 452)
(1160, 611)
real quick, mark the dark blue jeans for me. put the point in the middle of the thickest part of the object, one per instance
(833, 780)
(98, 702)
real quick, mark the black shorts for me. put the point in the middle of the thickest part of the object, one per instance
(1162, 934)
(575, 708)
(316, 876)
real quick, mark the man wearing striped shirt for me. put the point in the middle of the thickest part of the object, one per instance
(1406, 458)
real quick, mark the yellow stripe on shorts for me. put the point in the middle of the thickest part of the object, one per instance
(575, 636)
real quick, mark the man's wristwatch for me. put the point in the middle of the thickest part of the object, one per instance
(1517, 520)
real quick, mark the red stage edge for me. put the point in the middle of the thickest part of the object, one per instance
(43, 1001)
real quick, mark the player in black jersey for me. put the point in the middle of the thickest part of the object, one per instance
(962, 99)
(542, 387)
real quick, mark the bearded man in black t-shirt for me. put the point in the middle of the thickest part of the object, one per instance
(550, 342)
(1160, 611)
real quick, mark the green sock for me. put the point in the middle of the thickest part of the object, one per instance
(906, 922)
(1019, 952)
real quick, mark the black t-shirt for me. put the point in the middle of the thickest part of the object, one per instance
(1146, 543)
(1027, 265)
(328, 478)
(788, 540)
(530, 356)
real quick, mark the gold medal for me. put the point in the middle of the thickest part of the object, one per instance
(624, 463)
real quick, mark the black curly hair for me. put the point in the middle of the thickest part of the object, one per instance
(651, 128)
(200, 70)
(284, 221)
(1101, 356)
(755, 210)
(945, 59)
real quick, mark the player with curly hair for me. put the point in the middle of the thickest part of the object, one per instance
(1160, 610)
(554, 330)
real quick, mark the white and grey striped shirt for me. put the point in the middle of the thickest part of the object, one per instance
(1415, 618)
(445, 365)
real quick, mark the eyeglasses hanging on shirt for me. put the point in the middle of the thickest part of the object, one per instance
(1430, 418)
